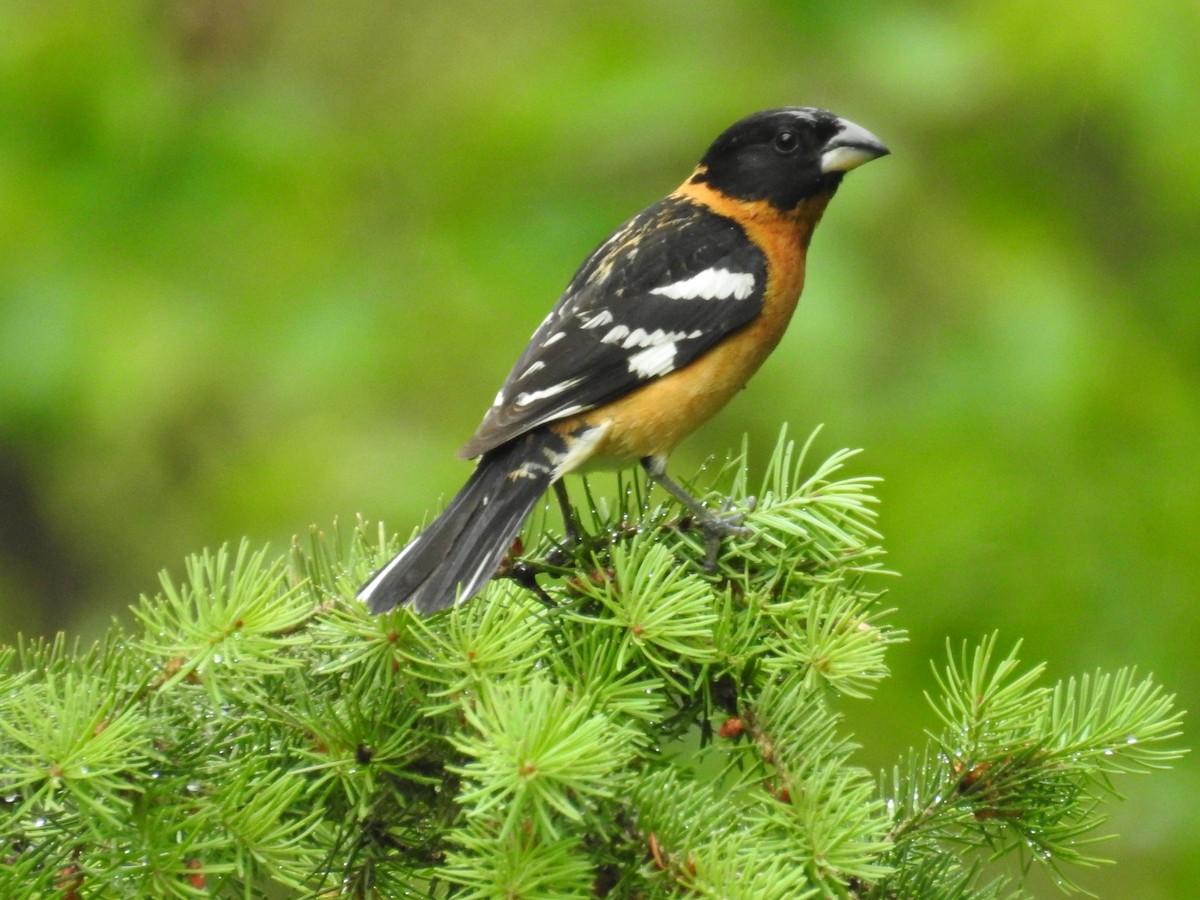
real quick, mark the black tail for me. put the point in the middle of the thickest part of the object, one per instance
(459, 552)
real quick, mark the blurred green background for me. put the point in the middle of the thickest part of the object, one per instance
(264, 265)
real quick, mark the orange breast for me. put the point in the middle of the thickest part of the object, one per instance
(651, 420)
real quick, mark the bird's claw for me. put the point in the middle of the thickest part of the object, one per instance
(719, 525)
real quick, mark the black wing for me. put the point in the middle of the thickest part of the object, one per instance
(667, 286)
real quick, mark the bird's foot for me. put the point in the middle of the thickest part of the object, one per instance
(720, 525)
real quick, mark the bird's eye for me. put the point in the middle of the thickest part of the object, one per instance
(786, 142)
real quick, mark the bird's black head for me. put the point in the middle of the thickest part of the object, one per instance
(787, 155)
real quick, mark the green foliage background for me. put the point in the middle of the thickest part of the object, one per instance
(263, 265)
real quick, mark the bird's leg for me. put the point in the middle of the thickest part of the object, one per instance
(716, 526)
(572, 530)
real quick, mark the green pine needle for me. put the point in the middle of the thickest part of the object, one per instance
(538, 757)
(1021, 767)
(638, 726)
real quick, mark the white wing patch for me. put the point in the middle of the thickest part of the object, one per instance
(528, 397)
(554, 338)
(534, 368)
(711, 284)
(656, 360)
(640, 337)
(601, 318)
(615, 335)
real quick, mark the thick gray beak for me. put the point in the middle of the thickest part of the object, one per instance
(852, 146)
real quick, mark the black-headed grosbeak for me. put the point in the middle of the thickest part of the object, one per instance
(658, 329)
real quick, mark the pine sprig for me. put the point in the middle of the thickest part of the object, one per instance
(233, 618)
(613, 719)
(71, 745)
(539, 759)
(660, 614)
(1019, 766)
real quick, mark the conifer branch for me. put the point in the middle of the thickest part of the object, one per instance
(609, 720)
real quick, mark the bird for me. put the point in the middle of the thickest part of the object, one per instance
(656, 331)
